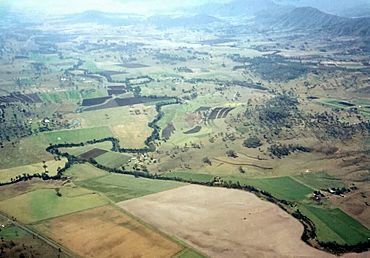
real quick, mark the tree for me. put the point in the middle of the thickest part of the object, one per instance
(252, 142)
(241, 170)
(231, 154)
(206, 160)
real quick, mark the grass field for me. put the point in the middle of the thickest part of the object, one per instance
(335, 225)
(60, 97)
(43, 204)
(320, 180)
(78, 135)
(113, 159)
(284, 188)
(11, 173)
(29, 150)
(76, 151)
(80, 172)
(128, 124)
(123, 187)
(12, 232)
(190, 176)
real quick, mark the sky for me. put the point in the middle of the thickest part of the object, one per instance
(122, 6)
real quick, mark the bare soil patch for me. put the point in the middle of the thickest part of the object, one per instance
(92, 154)
(223, 222)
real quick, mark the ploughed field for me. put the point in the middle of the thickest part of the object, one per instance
(202, 217)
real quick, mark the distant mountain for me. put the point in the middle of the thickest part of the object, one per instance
(312, 19)
(347, 8)
(113, 19)
(308, 18)
(182, 21)
(237, 8)
(357, 11)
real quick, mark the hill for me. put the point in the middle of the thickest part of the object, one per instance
(98, 17)
(312, 19)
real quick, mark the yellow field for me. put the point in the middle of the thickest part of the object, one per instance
(52, 165)
(107, 232)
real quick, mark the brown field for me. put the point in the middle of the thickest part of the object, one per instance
(92, 154)
(224, 222)
(107, 232)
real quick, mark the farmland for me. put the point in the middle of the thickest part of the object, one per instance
(121, 187)
(335, 225)
(249, 215)
(113, 229)
(45, 203)
(221, 135)
(51, 167)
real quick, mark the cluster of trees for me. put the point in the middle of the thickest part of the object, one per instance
(282, 150)
(252, 142)
(279, 111)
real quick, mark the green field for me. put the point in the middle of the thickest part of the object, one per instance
(113, 159)
(284, 188)
(60, 97)
(78, 135)
(124, 187)
(203, 178)
(188, 253)
(335, 225)
(320, 180)
(76, 151)
(80, 172)
(43, 204)
(28, 151)
(12, 232)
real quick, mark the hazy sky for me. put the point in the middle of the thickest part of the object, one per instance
(73, 6)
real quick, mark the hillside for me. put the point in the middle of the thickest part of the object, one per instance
(312, 19)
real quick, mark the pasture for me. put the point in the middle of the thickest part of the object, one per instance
(196, 177)
(320, 180)
(128, 124)
(51, 166)
(284, 188)
(201, 217)
(105, 232)
(76, 151)
(78, 135)
(43, 204)
(335, 225)
(123, 187)
(27, 151)
(113, 159)
(80, 172)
